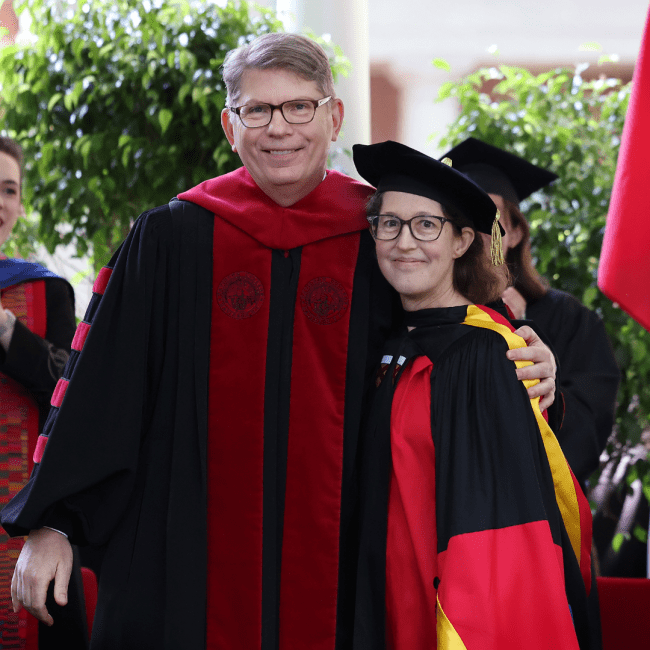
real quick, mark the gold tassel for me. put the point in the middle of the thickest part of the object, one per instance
(496, 245)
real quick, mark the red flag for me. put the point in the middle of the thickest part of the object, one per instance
(624, 271)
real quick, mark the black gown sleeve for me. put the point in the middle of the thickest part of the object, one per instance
(589, 377)
(88, 469)
(500, 533)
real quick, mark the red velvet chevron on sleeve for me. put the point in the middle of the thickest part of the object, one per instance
(40, 449)
(80, 336)
(102, 280)
(83, 329)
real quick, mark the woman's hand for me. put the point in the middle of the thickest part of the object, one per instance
(7, 323)
(543, 368)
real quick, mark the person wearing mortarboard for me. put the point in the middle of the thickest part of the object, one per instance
(473, 532)
(589, 374)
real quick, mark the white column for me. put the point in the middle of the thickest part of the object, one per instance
(346, 21)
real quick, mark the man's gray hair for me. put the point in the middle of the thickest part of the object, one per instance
(290, 52)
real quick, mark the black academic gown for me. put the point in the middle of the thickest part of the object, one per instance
(499, 477)
(589, 377)
(588, 384)
(127, 455)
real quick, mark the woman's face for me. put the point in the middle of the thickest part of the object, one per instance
(421, 271)
(10, 204)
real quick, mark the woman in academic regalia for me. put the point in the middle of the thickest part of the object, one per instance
(37, 323)
(474, 533)
(589, 375)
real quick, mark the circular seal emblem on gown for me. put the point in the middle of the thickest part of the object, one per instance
(324, 301)
(240, 295)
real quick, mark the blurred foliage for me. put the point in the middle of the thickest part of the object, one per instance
(117, 105)
(340, 64)
(572, 126)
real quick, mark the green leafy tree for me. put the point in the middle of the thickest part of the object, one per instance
(569, 124)
(117, 105)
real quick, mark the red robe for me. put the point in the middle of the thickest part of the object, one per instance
(312, 247)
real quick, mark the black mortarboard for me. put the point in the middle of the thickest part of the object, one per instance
(498, 171)
(391, 166)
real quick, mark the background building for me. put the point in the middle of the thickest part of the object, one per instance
(391, 91)
(392, 88)
(403, 38)
(473, 34)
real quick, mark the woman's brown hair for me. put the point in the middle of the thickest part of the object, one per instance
(13, 149)
(474, 277)
(524, 276)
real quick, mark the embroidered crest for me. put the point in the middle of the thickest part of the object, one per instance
(240, 295)
(324, 301)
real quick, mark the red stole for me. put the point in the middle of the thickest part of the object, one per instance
(18, 434)
(247, 229)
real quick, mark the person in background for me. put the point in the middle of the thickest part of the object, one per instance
(37, 323)
(474, 533)
(588, 372)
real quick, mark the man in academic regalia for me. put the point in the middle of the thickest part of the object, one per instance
(206, 426)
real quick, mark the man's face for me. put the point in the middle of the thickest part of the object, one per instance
(11, 206)
(287, 161)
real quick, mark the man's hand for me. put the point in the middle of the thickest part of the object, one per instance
(46, 556)
(544, 367)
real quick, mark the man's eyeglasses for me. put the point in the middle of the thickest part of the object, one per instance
(386, 227)
(295, 111)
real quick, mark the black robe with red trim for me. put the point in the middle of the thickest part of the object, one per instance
(588, 380)
(513, 528)
(588, 377)
(221, 366)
